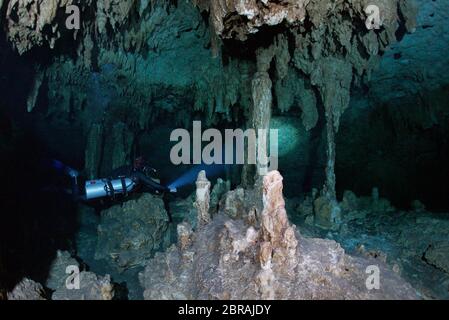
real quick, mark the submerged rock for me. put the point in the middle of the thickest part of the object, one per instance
(182, 210)
(27, 290)
(438, 256)
(57, 274)
(233, 203)
(92, 287)
(219, 189)
(327, 213)
(412, 243)
(230, 259)
(129, 234)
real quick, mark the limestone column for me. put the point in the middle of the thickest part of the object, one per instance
(333, 77)
(261, 113)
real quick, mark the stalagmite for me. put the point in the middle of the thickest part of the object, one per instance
(230, 259)
(278, 249)
(202, 199)
(276, 228)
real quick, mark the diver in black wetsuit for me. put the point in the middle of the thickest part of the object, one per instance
(120, 183)
(124, 180)
(139, 173)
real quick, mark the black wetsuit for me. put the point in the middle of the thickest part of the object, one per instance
(140, 179)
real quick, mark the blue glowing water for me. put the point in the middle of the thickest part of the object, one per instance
(191, 175)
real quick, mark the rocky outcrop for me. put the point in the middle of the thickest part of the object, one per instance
(240, 18)
(231, 259)
(57, 275)
(27, 290)
(411, 243)
(129, 234)
(33, 23)
(437, 255)
(92, 287)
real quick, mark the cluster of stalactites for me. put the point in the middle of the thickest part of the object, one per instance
(240, 18)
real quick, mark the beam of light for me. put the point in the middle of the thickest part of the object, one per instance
(191, 175)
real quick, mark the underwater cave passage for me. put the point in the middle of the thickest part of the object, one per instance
(96, 205)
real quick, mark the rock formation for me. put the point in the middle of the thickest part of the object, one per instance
(27, 290)
(362, 93)
(57, 274)
(410, 242)
(92, 287)
(33, 23)
(238, 19)
(320, 52)
(202, 201)
(230, 259)
(128, 234)
(219, 189)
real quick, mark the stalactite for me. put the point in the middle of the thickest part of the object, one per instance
(93, 150)
(262, 99)
(261, 87)
(256, 14)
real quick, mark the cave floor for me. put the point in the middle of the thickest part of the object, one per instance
(415, 244)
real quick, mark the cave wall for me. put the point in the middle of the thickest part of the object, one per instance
(134, 63)
(404, 153)
(371, 103)
(404, 106)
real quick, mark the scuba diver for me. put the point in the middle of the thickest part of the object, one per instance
(121, 182)
(126, 180)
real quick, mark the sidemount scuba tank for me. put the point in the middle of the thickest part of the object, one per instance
(101, 188)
